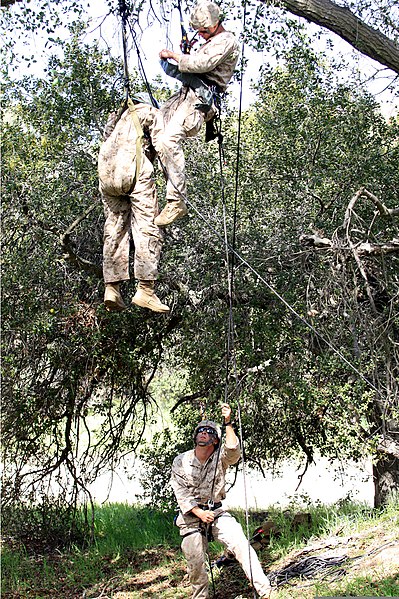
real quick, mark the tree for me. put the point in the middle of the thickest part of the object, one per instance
(75, 379)
(330, 250)
(310, 145)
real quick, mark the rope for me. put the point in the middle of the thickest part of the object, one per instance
(230, 265)
(123, 11)
(124, 14)
(231, 328)
(320, 567)
(141, 67)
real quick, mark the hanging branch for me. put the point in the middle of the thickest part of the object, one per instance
(188, 398)
(69, 252)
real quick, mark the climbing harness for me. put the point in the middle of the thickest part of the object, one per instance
(205, 90)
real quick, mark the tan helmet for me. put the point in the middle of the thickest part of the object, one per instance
(205, 14)
(210, 423)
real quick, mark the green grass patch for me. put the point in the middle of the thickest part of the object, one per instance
(137, 549)
(121, 526)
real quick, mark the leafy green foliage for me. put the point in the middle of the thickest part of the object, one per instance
(75, 378)
(77, 381)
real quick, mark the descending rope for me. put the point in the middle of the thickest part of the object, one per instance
(124, 15)
(123, 11)
(230, 265)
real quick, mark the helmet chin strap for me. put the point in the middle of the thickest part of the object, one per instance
(205, 443)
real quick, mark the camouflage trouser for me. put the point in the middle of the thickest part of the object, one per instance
(128, 215)
(229, 532)
(180, 120)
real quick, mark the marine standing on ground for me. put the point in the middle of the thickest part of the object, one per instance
(214, 62)
(198, 476)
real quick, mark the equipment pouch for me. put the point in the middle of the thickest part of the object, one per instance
(210, 130)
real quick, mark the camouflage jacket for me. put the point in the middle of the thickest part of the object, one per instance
(216, 59)
(192, 481)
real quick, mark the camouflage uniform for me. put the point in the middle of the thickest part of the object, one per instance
(192, 484)
(130, 206)
(216, 59)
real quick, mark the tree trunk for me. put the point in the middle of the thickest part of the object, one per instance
(386, 479)
(344, 23)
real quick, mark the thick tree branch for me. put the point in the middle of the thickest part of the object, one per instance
(344, 23)
(383, 210)
(389, 447)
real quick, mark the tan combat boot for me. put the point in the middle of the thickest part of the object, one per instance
(173, 211)
(145, 297)
(112, 298)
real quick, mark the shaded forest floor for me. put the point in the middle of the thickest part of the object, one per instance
(359, 557)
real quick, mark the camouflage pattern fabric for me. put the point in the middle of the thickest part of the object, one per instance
(216, 59)
(130, 206)
(192, 484)
(192, 481)
(180, 120)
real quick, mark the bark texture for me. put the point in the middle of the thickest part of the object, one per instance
(349, 27)
(386, 479)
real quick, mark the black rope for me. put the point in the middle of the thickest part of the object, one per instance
(124, 13)
(310, 567)
(231, 327)
(141, 67)
(320, 567)
(125, 19)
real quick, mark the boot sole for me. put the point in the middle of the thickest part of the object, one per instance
(113, 307)
(146, 305)
(171, 221)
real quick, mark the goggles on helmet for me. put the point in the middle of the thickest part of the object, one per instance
(206, 429)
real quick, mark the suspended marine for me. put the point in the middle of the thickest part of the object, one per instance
(205, 74)
(127, 187)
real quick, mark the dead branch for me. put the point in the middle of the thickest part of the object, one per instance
(363, 249)
(188, 398)
(316, 241)
(378, 249)
(383, 210)
(69, 252)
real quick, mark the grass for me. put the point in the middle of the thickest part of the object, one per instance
(136, 555)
